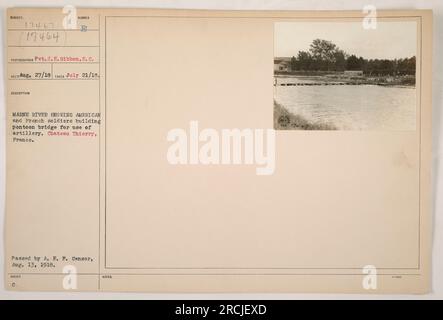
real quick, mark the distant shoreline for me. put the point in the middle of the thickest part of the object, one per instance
(334, 78)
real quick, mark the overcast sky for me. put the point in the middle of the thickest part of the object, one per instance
(390, 40)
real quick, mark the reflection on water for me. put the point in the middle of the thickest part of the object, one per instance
(351, 107)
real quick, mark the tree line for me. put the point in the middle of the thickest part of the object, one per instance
(324, 55)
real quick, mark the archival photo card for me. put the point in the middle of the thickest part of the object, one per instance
(142, 153)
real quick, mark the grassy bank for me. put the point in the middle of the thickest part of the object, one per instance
(285, 120)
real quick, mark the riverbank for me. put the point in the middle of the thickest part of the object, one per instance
(340, 79)
(285, 120)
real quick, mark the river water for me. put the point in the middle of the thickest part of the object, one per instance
(351, 107)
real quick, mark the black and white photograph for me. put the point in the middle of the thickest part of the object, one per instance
(345, 76)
